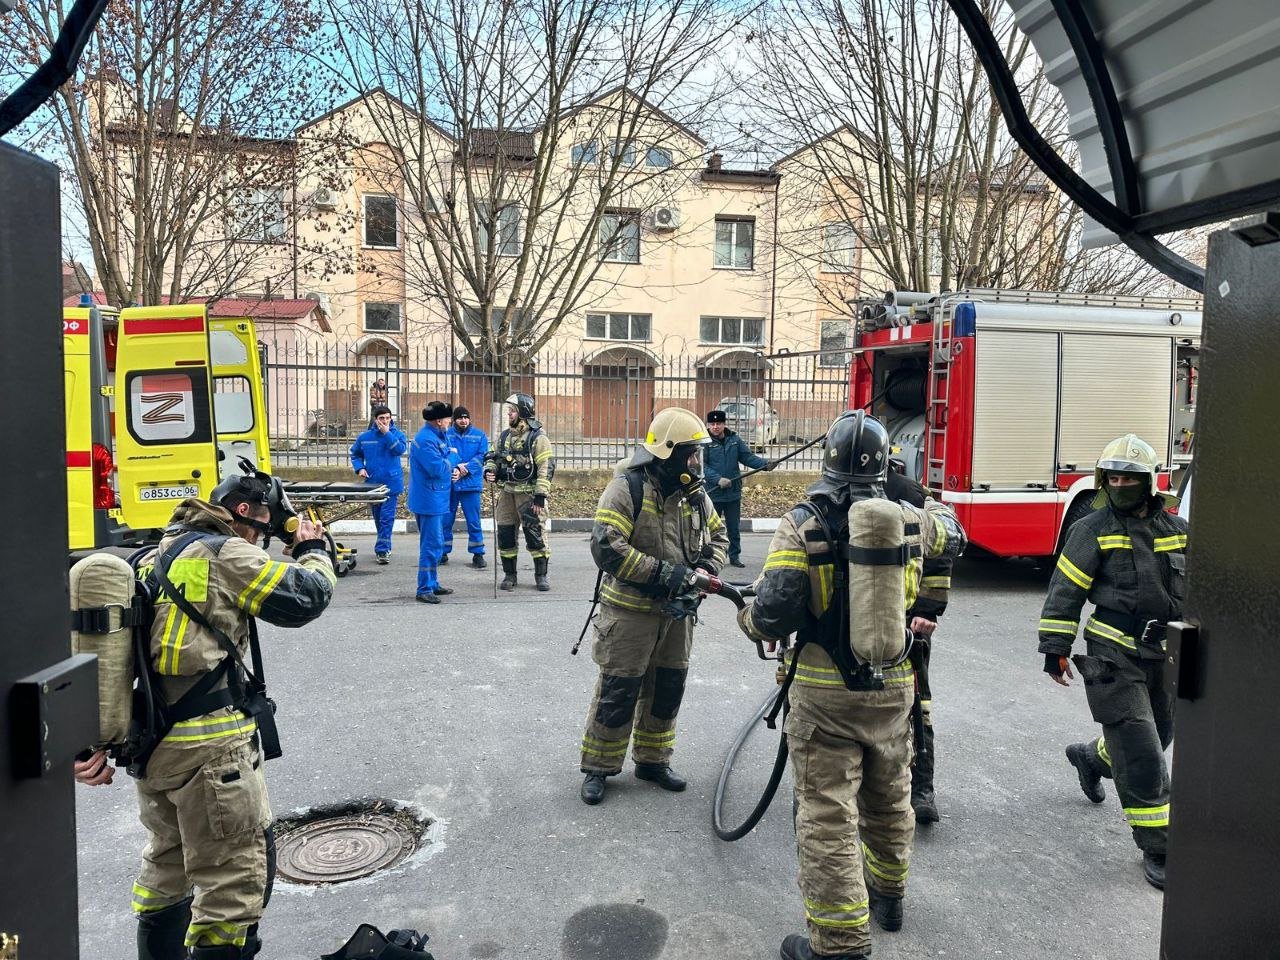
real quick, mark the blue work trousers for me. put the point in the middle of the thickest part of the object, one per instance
(469, 500)
(384, 518)
(429, 546)
(731, 511)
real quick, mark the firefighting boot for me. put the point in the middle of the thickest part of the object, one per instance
(593, 788)
(161, 932)
(477, 561)
(1153, 869)
(540, 574)
(1082, 757)
(508, 573)
(923, 801)
(662, 775)
(797, 947)
(886, 910)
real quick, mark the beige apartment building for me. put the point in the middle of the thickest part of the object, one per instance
(711, 282)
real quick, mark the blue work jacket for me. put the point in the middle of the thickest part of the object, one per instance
(430, 472)
(722, 459)
(379, 454)
(468, 448)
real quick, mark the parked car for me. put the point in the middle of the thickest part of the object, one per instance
(752, 419)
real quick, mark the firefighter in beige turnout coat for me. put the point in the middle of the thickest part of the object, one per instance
(850, 743)
(644, 630)
(203, 798)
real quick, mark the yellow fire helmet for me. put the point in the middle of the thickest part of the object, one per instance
(672, 427)
(1128, 454)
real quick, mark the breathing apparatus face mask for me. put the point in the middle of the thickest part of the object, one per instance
(282, 520)
(682, 470)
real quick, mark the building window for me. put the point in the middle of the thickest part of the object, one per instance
(839, 241)
(620, 236)
(620, 326)
(626, 150)
(833, 341)
(382, 317)
(381, 221)
(657, 157)
(585, 152)
(258, 215)
(730, 330)
(507, 240)
(735, 243)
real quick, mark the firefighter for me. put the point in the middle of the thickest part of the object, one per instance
(430, 482)
(1128, 557)
(375, 457)
(726, 453)
(522, 465)
(468, 445)
(930, 604)
(203, 798)
(848, 726)
(654, 525)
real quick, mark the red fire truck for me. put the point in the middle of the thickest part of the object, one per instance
(1000, 400)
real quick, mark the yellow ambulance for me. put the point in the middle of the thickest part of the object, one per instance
(161, 403)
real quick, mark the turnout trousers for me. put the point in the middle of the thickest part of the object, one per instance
(850, 759)
(207, 828)
(516, 509)
(731, 511)
(922, 765)
(430, 543)
(469, 500)
(384, 518)
(644, 660)
(1127, 697)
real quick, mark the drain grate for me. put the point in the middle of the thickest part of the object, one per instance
(334, 845)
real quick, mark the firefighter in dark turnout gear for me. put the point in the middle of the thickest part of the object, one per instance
(654, 526)
(208, 866)
(1129, 558)
(522, 463)
(848, 729)
(931, 603)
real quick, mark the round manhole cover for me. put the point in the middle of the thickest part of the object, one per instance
(333, 847)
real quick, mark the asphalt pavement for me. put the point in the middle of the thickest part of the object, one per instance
(472, 711)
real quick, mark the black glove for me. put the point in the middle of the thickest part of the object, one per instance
(771, 464)
(682, 605)
(678, 580)
(306, 546)
(539, 499)
(1054, 665)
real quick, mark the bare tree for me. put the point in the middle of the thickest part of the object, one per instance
(892, 133)
(175, 135)
(532, 142)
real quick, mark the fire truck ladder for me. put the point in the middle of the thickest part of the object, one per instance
(935, 446)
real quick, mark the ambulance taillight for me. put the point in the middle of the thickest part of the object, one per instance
(104, 495)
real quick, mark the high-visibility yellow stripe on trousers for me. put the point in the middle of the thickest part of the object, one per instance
(206, 728)
(1148, 816)
(888, 870)
(837, 914)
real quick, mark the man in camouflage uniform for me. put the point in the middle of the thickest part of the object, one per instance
(1128, 557)
(522, 464)
(654, 526)
(203, 797)
(848, 730)
(931, 604)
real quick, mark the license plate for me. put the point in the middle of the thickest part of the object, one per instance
(181, 492)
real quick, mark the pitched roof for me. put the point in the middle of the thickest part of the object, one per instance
(627, 91)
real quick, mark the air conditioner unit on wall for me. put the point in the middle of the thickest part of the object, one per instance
(665, 218)
(324, 198)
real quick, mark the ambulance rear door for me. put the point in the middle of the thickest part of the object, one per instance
(90, 496)
(238, 401)
(165, 442)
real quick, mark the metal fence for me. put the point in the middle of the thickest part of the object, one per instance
(594, 406)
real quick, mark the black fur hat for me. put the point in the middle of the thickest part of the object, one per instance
(437, 410)
(716, 416)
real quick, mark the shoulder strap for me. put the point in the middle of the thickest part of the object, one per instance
(635, 484)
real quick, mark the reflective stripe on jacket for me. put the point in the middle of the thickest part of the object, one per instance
(227, 582)
(1132, 568)
(533, 465)
(638, 555)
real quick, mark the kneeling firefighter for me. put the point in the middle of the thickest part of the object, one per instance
(202, 724)
(654, 527)
(843, 570)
